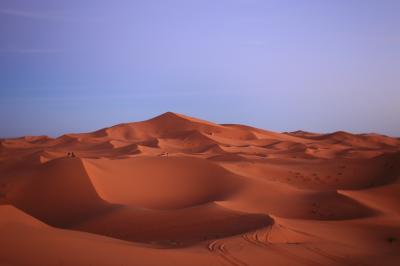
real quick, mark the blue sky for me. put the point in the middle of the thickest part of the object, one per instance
(76, 66)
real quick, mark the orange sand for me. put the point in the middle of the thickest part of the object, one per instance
(176, 190)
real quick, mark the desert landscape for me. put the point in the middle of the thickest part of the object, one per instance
(177, 190)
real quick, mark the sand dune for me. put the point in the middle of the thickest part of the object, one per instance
(161, 182)
(177, 190)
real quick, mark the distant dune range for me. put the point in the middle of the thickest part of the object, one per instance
(176, 190)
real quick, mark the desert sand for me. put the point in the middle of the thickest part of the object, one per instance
(176, 190)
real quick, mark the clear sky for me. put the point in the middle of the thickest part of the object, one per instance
(316, 65)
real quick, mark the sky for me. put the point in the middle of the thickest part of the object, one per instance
(315, 65)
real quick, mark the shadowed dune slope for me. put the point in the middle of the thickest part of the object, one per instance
(175, 227)
(26, 241)
(58, 192)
